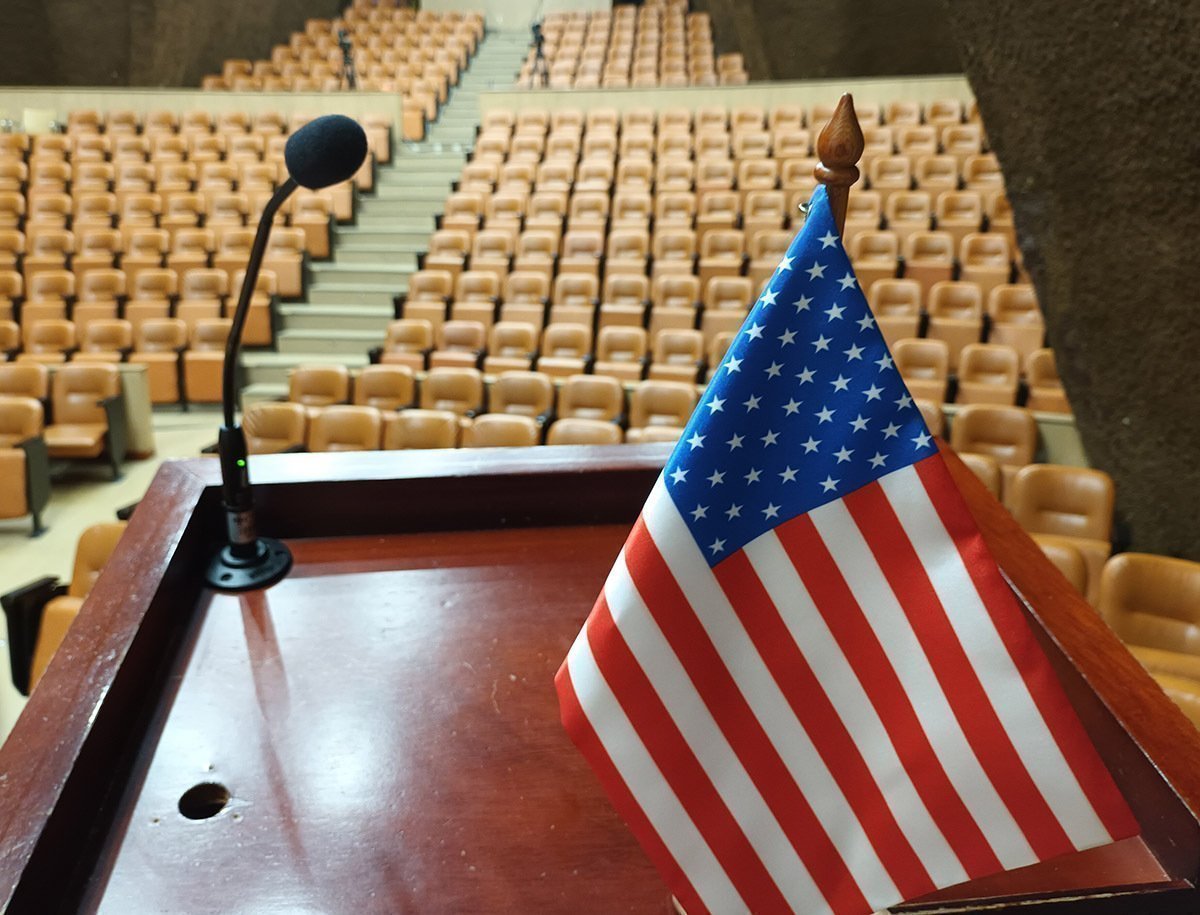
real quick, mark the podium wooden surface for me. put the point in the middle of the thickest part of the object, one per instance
(384, 720)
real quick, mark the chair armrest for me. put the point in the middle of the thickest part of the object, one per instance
(209, 449)
(37, 476)
(375, 353)
(23, 609)
(294, 449)
(117, 435)
(124, 514)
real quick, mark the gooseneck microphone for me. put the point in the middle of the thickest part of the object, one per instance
(326, 151)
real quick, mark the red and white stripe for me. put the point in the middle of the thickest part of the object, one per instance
(848, 713)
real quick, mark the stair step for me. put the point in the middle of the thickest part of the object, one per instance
(257, 393)
(380, 274)
(341, 316)
(413, 223)
(273, 368)
(390, 193)
(346, 342)
(378, 254)
(402, 205)
(398, 237)
(415, 175)
(332, 293)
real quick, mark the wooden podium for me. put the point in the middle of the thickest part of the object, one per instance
(379, 733)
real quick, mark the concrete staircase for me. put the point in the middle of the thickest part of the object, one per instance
(349, 297)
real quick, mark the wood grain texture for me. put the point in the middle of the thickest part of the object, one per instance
(839, 147)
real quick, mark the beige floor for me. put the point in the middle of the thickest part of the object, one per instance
(78, 499)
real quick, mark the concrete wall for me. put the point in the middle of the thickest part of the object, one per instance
(1091, 111)
(142, 42)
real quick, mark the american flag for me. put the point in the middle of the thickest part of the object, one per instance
(806, 686)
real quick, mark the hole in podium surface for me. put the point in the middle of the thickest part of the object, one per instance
(200, 802)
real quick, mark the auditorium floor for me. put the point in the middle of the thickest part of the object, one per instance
(79, 498)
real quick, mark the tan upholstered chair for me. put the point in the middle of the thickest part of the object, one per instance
(88, 414)
(342, 427)
(273, 427)
(421, 429)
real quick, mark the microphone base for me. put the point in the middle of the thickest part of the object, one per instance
(271, 562)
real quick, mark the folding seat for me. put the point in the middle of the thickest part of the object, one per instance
(1009, 434)
(204, 360)
(583, 432)
(259, 327)
(145, 249)
(98, 250)
(1045, 387)
(765, 250)
(751, 144)
(786, 117)
(476, 295)
(408, 342)
(163, 147)
(51, 294)
(1000, 219)
(711, 117)
(1016, 319)
(493, 251)
(985, 260)
(526, 148)
(202, 296)
(497, 430)
(1150, 602)
(601, 119)
(511, 347)
(896, 305)
(763, 211)
(448, 250)
(713, 175)
(727, 301)
(718, 210)
(677, 210)
(523, 393)
(565, 350)
(457, 390)
(959, 213)
(632, 210)
(936, 174)
(533, 120)
(505, 210)
(160, 122)
(575, 299)
(722, 253)
(284, 257)
(312, 214)
(674, 252)
(678, 355)
(718, 346)
(621, 352)
(526, 295)
(498, 119)
(673, 144)
(915, 140)
(982, 174)
(138, 211)
(556, 175)
(908, 212)
(902, 111)
(47, 210)
(94, 211)
(13, 176)
(955, 316)
(274, 428)
(12, 210)
(798, 180)
(463, 211)
(987, 469)
(636, 145)
(160, 344)
(924, 365)
(594, 397)
(659, 404)
(595, 175)
(101, 297)
(674, 175)
(875, 256)
(84, 398)
(227, 211)
(888, 175)
(627, 252)
(316, 386)
(929, 259)
(962, 141)
(582, 251)
(625, 299)
(944, 111)
(24, 466)
(50, 175)
(104, 340)
(206, 147)
(152, 293)
(10, 339)
(517, 176)
(428, 297)
(588, 211)
(987, 373)
(344, 428)
(47, 340)
(420, 429)
(791, 144)
(460, 344)
(567, 119)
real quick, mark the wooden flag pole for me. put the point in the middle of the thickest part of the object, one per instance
(839, 148)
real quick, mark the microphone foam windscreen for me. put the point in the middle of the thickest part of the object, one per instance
(325, 151)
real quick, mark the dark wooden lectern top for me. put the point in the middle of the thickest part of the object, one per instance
(379, 732)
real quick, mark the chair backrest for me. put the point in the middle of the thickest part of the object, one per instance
(272, 426)
(678, 346)
(575, 431)
(989, 363)
(319, 385)
(1069, 501)
(95, 545)
(462, 336)
(1009, 434)
(430, 285)
(1152, 601)
(79, 388)
(1041, 370)
(49, 336)
(104, 335)
(24, 379)
(895, 297)
(210, 334)
(342, 427)
(409, 335)
(661, 403)
(922, 358)
(20, 418)
(591, 397)
(501, 430)
(160, 335)
(459, 390)
(566, 340)
(385, 387)
(421, 429)
(523, 394)
(621, 344)
(955, 299)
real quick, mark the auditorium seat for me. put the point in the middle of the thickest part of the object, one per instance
(678, 355)
(1072, 502)
(105, 341)
(959, 213)
(420, 429)
(1066, 558)
(896, 305)
(986, 468)
(500, 430)
(385, 387)
(577, 431)
(659, 403)
(85, 399)
(95, 545)
(458, 390)
(344, 427)
(955, 316)
(565, 350)
(931, 413)
(428, 297)
(875, 256)
(24, 462)
(408, 342)
(160, 345)
(1152, 602)
(273, 427)
(621, 352)
(460, 344)
(929, 258)
(522, 394)
(1009, 434)
(10, 339)
(591, 397)
(987, 373)
(47, 341)
(1016, 319)
(316, 386)
(985, 259)
(1045, 387)
(204, 360)
(924, 367)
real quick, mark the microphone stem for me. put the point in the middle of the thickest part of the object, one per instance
(233, 344)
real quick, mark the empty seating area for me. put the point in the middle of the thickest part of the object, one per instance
(394, 49)
(125, 237)
(653, 44)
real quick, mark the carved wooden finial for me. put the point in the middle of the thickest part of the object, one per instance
(839, 147)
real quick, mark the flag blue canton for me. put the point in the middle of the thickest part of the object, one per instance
(806, 407)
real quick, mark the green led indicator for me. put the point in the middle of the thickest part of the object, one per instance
(241, 463)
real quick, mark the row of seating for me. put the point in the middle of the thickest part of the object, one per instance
(662, 44)
(183, 366)
(417, 54)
